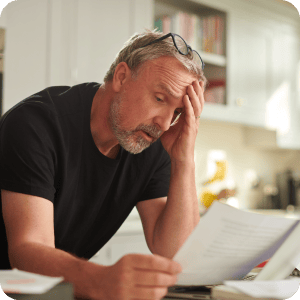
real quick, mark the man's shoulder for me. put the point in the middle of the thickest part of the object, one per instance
(72, 100)
(53, 100)
(80, 89)
(25, 109)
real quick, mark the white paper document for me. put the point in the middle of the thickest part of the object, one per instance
(20, 282)
(278, 289)
(228, 243)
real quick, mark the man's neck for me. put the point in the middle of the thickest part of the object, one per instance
(102, 134)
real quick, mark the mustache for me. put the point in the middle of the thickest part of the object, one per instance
(150, 129)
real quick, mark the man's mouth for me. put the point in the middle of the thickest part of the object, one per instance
(150, 133)
(148, 136)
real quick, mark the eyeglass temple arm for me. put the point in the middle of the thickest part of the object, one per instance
(159, 39)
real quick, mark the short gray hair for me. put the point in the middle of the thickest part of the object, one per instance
(134, 54)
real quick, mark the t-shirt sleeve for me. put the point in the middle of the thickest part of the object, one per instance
(158, 185)
(27, 156)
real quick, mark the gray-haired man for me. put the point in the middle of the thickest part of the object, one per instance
(75, 160)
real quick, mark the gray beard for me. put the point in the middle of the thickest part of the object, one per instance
(127, 138)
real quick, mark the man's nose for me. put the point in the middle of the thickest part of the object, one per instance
(164, 121)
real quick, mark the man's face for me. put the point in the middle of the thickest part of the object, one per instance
(147, 105)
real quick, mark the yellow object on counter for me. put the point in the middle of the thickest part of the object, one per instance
(207, 198)
(220, 172)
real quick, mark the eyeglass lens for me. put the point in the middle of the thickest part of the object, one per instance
(181, 44)
(197, 59)
(183, 48)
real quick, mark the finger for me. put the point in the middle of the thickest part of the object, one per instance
(190, 117)
(149, 293)
(155, 262)
(153, 278)
(194, 99)
(199, 90)
(201, 84)
(201, 95)
(198, 87)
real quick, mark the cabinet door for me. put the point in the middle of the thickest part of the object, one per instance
(250, 67)
(103, 26)
(284, 105)
(26, 48)
(99, 36)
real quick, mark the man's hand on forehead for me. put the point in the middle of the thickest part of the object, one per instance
(179, 140)
(194, 93)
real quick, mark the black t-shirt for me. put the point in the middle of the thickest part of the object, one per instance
(47, 150)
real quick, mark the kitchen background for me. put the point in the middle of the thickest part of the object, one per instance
(251, 50)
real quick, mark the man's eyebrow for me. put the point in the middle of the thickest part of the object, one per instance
(167, 90)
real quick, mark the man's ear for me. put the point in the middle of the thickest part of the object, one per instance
(121, 76)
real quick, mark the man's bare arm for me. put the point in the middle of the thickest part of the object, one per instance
(167, 222)
(30, 233)
(167, 225)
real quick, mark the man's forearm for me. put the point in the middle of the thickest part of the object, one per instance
(45, 260)
(181, 213)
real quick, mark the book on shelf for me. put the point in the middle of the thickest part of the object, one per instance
(215, 92)
(203, 33)
(213, 35)
(166, 24)
(158, 24)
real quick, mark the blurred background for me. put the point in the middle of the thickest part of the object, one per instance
(248, 146)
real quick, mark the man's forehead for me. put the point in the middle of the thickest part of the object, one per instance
(169, 75)
(168, 64)
(168, 90)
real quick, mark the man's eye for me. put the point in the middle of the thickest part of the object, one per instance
(158, 99)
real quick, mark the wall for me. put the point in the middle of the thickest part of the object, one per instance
(241, 158)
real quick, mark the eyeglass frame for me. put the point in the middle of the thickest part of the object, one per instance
(189, 48)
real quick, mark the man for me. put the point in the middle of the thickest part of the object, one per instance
(76, 160)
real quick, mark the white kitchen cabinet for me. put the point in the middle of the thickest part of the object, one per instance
(249, 69)
(102, 27)
(26, 50)
(99, 36)
(284, 105)
(65, 42)
(86, 35)
(248, 72)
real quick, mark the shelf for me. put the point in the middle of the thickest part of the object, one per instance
(165, 7)
(189, 18)
(213, 59)
(204, 29)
